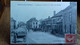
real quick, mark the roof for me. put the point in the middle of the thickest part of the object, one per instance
(66, 9)
(32, 19)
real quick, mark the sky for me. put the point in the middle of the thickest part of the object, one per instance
(24, 10)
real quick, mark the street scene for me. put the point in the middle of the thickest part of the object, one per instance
(46, 30)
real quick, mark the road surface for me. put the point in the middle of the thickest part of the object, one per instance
(43, 38)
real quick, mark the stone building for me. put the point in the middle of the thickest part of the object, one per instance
(68, 18)
(33, 23)
(57, 24)
(49, 24)
(46, 24)
(64, 22)
(13, 24)
(12, 29)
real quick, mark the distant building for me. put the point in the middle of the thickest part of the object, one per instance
(46, 24)
(49, 23)
(21, 24)
(13, 24)
(33, 23)
(12, 28)
(57, 24)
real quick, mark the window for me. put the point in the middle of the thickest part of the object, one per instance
(36, 26)
(33, 23)
(65, 29)
(70, 17)
(36, 22)
(70, 29)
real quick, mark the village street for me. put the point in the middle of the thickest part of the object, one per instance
(43, 38)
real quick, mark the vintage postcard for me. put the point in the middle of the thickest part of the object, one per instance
(43, 22)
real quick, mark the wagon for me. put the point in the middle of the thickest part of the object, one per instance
(20, 35)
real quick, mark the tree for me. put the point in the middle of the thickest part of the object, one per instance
(21, 24)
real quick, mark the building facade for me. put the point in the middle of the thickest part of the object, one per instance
(57, 24)
(69, 18)
(46, 25)
(64, 22)
(33, 23)
(12, 28)
(13, 24)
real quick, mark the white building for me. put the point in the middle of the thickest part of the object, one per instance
(33, 23)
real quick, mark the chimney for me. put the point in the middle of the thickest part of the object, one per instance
(48, 17)
(54, 13)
